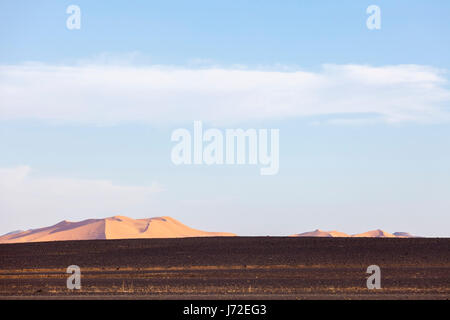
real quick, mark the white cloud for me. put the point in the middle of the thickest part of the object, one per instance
(104, 94)
(26, 200)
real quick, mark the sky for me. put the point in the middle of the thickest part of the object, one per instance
(86, 115)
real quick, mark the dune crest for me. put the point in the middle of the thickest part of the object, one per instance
(117, 227)
(374, 234)
(369, 234)
(320, 233)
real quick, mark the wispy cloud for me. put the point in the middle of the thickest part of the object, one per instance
(55, 198)
(109, 94)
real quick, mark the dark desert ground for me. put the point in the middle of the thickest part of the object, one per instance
(228, 268)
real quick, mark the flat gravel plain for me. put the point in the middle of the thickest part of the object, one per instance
(228, 268)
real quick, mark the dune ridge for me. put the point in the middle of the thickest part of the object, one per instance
(117, 227)
(121, 227)
(320, 233)
(369, 234)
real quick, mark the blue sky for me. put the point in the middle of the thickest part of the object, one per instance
(252, 33)
(363, 114)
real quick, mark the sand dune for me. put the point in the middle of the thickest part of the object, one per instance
(120, 227)
(320, 233)
(12, 232)
(404, 235)
(369, 234)
(117, 227)
(374, 234)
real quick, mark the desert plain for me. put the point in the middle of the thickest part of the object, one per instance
(228, 268)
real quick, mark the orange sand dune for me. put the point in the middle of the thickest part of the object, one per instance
(370, 234)
(117, 227)
(374, 234)
(320, 233)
